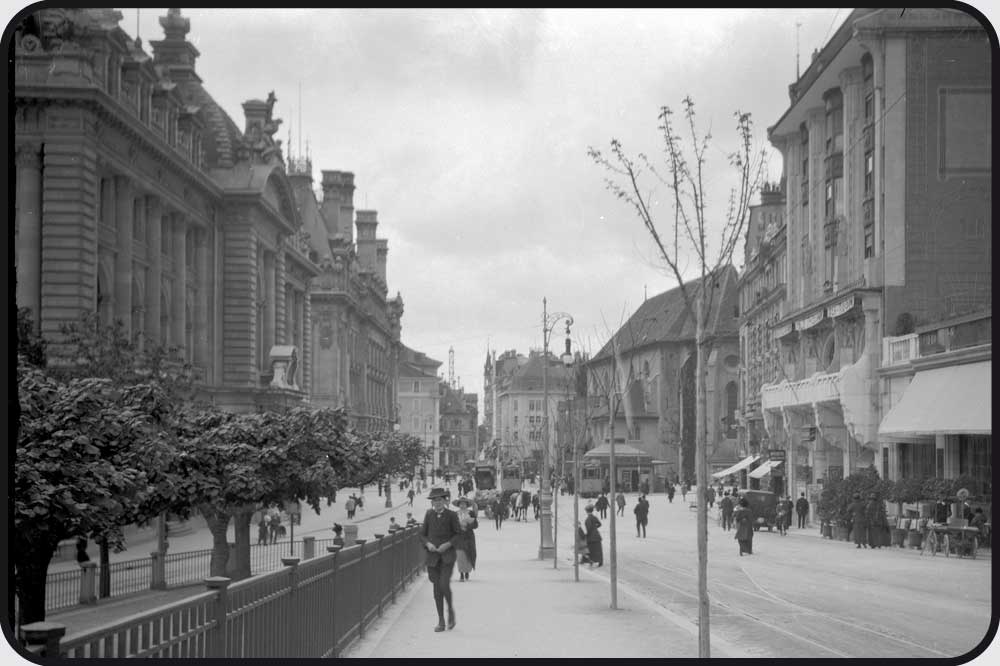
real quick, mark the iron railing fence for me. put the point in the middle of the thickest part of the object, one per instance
(312, 608)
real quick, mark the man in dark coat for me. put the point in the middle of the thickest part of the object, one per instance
(641, 511)
(726, 507)
(878, 523)
(440, 532)
(859, 521)
(602, 505)
(802, 509)
(670, 492)
(591, 525)
(744, 526)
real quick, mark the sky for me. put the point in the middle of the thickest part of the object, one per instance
(468, 129)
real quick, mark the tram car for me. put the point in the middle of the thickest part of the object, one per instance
(485, 476)
(511, 480)
(591, 481)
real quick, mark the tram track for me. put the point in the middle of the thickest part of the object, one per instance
(786, 606)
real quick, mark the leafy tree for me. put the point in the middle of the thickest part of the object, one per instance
(86, 463)
(29, 344)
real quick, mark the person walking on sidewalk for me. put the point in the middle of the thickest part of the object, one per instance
(602, 506)
(349, 506)
(466, 545)
(620, 501)
(596, 552)
(499, 509)
(262, 530)
(744, 527)
(726, 508)
(802, 510)
(641, 512)
(670, 493)
(410, 495)
(440, 532)
(859, 522)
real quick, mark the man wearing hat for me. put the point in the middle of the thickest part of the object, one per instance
(440, 532)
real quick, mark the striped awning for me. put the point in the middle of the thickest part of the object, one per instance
(743, 464)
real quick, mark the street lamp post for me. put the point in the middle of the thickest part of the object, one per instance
(546, 545)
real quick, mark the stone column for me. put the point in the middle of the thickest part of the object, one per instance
(179, 292)
(269, 305)
(123, 258)
(201, 343)
(154, 221)
(281, 305)
(29, 230)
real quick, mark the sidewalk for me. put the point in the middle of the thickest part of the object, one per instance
(517, 606)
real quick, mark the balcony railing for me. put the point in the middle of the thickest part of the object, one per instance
(899, 350)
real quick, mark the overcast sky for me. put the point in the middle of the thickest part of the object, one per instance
(467, 130)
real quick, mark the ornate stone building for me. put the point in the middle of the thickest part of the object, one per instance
(420, 401)
(657, 416)
(459, 420)
(888, 170)
(139, 198)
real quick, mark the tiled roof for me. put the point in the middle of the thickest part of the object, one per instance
(665, 317)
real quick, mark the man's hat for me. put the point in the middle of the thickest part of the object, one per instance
(589, 507)
(437, 492)
(462, 500)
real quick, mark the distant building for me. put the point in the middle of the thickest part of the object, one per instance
(887, 161)
(657, 348)
(459, 432)
(762, 289)
(420, 402)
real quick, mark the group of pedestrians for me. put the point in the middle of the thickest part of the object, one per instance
(353, 503)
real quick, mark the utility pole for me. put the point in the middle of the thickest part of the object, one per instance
(546, 544)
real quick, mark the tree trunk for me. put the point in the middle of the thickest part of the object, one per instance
(104, 585)
(218, 525)
(31, 561)
(701, 469)
(241, 525)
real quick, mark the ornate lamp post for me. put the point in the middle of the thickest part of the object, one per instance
(546, 547)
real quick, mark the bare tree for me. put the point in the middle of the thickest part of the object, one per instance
(687, 230)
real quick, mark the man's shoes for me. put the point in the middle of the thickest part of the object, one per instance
(439, 627)
(451, 618)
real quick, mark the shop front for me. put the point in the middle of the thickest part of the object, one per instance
(632, 466)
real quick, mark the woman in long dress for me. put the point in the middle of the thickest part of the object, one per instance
(743, 520)
(465, 549)
(593, 537)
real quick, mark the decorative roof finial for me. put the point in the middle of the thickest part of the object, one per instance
(174, 25)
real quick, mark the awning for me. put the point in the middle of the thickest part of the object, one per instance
(743, 464)
(765, 468)
(955, 400)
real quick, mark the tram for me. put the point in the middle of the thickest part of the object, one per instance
(511, 480)
(484, 475)
(591, 481)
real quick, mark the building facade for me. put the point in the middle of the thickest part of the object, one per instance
(138, 198)
(515, 404)
(887, 164)
(420, 402)
(459, 432)
(762, 289)
(657, 379)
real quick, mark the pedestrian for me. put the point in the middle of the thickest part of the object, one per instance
(393, 525)
(780, 517)
(859, 521)
(440, 532)
(380, 489)
(744, 527)
(274, 525)
(360, 502)
(466, 544)
(581, 544)
(620, 501)
(499, 509)
(641, 511)
(684, 491)
(349, 506)
(878, 522)
(410, 520)
(726, 507)
(262, 530)
(525, 503)
(409, 495)
(644, 487)
(710, 496)
(802, 510)
(789, 507)
(81, 551)
(942, 510)
(536, 504)
(670, 492)
(593, 536)
(602, 506)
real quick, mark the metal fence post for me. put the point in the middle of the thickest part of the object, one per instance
(295, 644)
(333, 599)
(158, 571)
(88, 583)
(43, 638)
(308, 547)
(379, 566)
(215, 645)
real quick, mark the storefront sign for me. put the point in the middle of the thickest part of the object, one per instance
(840, 308)
(776, 454)
(810, 321)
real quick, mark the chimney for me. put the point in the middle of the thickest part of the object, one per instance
(381, 252)
(174, 51)
(338, 205)
(367, 222)
(255, 112)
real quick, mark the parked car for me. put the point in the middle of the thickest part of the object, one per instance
(763, 508)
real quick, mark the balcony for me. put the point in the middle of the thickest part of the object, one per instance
(818, 388)
(899, 350)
